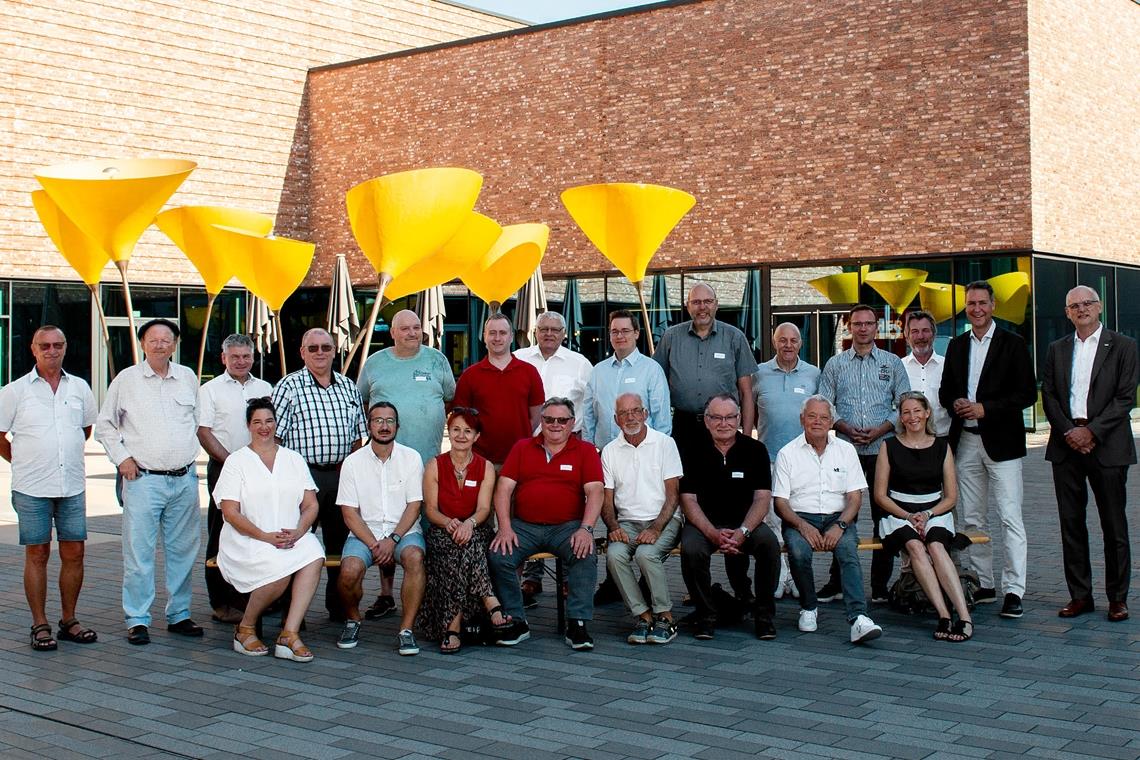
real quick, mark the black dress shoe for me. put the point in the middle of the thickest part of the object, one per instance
(1076, 607)
(1117, 612)
(138, 635)
(985, 596)
(765, 630)
(185, 627)
(1012, 608)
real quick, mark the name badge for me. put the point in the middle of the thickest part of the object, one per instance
(739, 475)
(470, 483)
(566, 467)
(420, 376)
(718, 355)
(798, 390)
(630, 380)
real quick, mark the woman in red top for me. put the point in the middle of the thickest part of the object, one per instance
(458, 485)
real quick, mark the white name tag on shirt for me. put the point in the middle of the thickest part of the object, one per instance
(421, 379)
(718, 355)
(566, 467)
(798, 390)
(470, 483)
(630, 380)
(738, 475)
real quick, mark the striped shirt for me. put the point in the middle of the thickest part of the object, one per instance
(321, 424)
(865, 390)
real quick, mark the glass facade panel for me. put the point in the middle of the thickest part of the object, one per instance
(1128, 308)
(149, 301)
(1102, 279)
(227, 317)
(1054, 279)
(67, 306)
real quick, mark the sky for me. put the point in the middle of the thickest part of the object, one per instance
(543, 11)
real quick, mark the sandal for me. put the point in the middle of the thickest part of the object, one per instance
(82, 636)
(508, 621)
(43, 643)
(959, 633)
(942, 632)
(246, 641)
(447, 637)
(290, 647)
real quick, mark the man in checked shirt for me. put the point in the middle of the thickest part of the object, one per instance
(321, 417)
(864, 383)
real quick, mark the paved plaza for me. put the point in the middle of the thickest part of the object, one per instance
(1035, 687)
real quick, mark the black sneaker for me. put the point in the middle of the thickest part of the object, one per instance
(704, 629)
(880, 596)
(516, 634)
(382, 607)
(577, 636)
(1012, 608)
(663, 631)
(985, 596)
(830, 592)
(765, 629)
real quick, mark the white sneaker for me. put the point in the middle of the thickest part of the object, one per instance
(864, 630)
(785, 579)
(808, 620)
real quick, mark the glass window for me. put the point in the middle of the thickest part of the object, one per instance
(227, 318)
(1054, 278)
(148, 301)
(1128, 309)
(1102, 279)
(65, 306)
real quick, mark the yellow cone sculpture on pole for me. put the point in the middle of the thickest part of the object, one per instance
(85, 256)
(1011, 296)
(400, 219)
(193, 230)
(941, 300)
(113, 202)
(898, 287)
(628, 222)
(465, 249)
(509, 264)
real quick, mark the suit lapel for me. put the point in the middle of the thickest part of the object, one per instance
(1065, 368)
(1102, 351)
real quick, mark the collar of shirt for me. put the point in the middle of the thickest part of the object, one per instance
(988, 336)
(851, 353)
(803, 443)
(632, 358)
(774, 366)
(651, 437)
(571, 443)
(228, 378)
(712, 330)
(148, 371)
(1091, 340)
(35, 375)
(311, 379)
(935, 358)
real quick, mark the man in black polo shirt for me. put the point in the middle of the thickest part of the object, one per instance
(725, 494)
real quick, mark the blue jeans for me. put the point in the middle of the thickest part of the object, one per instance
(846, 553)
(153, 504)
(581, 574)
(37, 513)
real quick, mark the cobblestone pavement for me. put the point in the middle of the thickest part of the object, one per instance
(1039, 686)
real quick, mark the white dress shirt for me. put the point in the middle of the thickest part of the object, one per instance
(47, 433)
(221, 407)
(382, 490)
(815, 484)
(151, 418)
(927, 378)
(564, 374)
(637, 474)
(979, 348)
(1084, 352)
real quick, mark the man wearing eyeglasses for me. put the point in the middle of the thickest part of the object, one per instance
(1088, 389)
(222, 430)
(987, 381)
(321, 417)
(149, 427)
(553, 481)
(49, 414)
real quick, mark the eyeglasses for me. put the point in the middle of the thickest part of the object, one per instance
(556, 420)
(59, 346)
(702, 302)
(1071, 307)
(622, 333)
(324, 348)
(864, 324)
(550, 329)
(389, 421)
(631, 412)
(719, 418)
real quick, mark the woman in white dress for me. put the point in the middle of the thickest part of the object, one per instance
(269, 502)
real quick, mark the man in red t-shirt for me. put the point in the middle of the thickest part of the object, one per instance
(555, 480)
(507, 392)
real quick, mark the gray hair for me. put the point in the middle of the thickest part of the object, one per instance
(629, 394)
(823, 399)
(552, 316)
(788, 325)
(720, 397)
(558, 401)
(237, 340)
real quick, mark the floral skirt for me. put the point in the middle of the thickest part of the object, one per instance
(457, 580)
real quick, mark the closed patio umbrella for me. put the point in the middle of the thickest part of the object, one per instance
(432, 312)
(529, 303)
(751, 317)
(572, 312)
(260, 325)
(660, 313)
(343, 321)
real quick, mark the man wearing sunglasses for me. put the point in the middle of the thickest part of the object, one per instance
(321, 417)
(554, 481)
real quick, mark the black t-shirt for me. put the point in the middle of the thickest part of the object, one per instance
(724, 484)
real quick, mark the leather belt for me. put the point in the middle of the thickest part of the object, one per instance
(324, 467)
(169, 473)
(1081, 421)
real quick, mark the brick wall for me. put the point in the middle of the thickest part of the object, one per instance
(1084, 75)
(807, 130)
(214, 81)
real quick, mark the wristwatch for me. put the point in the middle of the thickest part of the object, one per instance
(745, 531)
(588, 528)
(396, 537)
(842, 525)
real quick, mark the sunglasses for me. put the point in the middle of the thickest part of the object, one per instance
(465, 410)
(57, 346)
(556, 420)
(324, 348)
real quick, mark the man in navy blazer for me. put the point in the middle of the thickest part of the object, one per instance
(987, 382)
(1088, 389)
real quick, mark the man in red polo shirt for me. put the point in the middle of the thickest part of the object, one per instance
(507, 392)
(556, 483)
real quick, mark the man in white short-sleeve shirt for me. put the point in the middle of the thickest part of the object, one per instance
(642, 474)
(381, 492)
(818, 488)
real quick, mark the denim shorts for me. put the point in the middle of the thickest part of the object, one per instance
(354, 547)
(37, 512)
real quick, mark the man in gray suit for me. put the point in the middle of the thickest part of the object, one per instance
(1088, 389)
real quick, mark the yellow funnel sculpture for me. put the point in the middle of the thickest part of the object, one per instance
(898, 287)
(272, 268)
(1011, 294)
(941, 300)
(113, 202)
(192, 229)
(509, 264)
(465, 249)
(628, 222)
(400, 219)
(838, 288)
(80, 251)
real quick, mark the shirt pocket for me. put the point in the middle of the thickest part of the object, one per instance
(836, 480)
(74, 406)
(184, 405)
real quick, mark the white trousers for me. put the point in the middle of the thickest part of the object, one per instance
(984, 484)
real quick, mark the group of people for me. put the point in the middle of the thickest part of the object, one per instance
(696, 447)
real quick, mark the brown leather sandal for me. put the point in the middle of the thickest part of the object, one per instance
(82, 636)
(290, 647)
(246, 641)
(45, 642)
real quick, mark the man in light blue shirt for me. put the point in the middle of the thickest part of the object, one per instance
(627, 371)
(782, 384)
